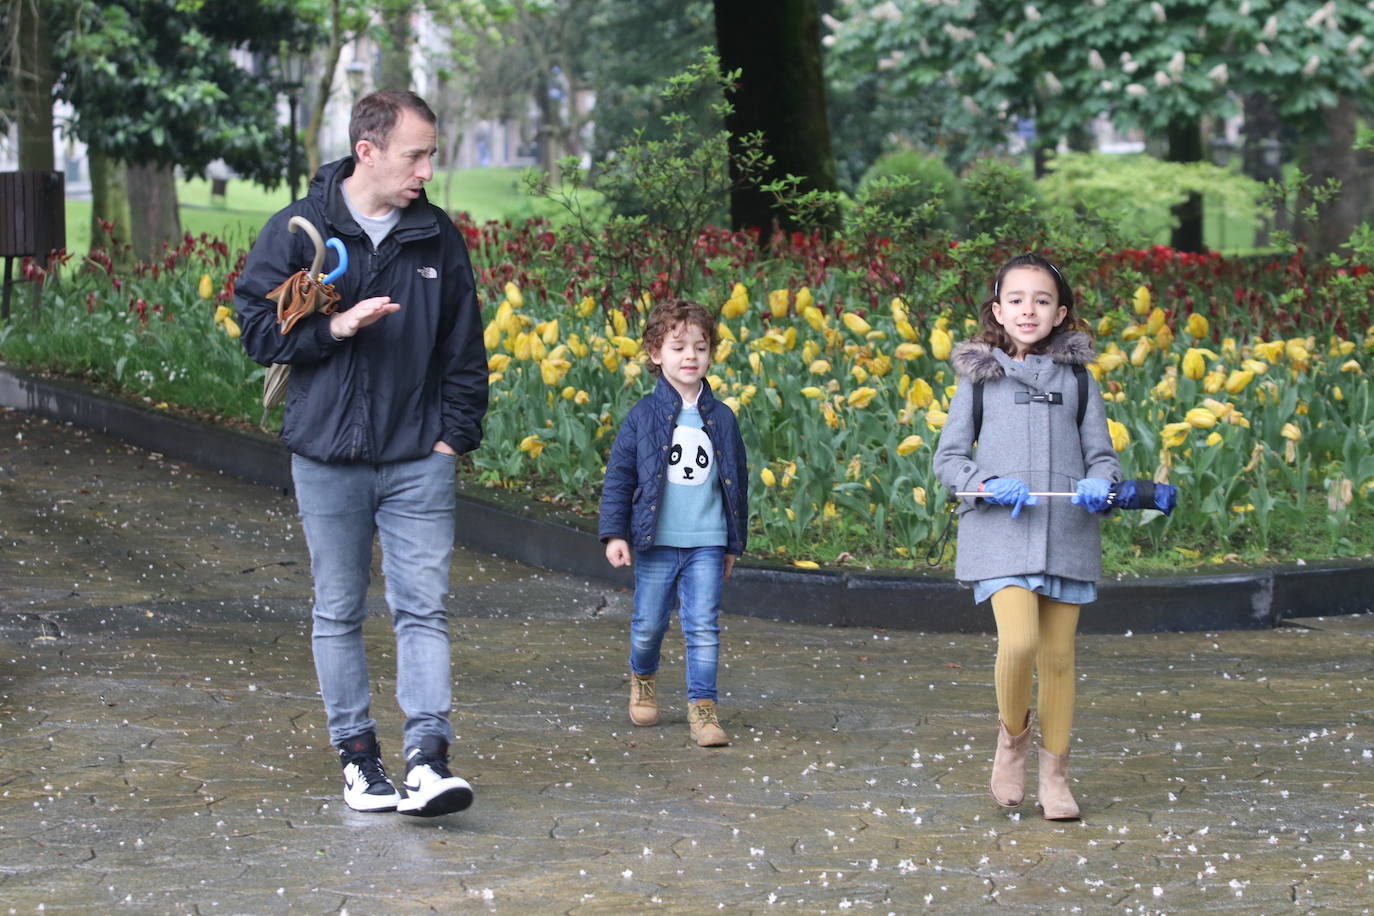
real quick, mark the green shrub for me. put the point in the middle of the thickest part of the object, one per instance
(1002, 200)
(907, 180)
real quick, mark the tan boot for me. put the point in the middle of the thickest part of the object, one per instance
(706, 730)
(1009, 765)
(1056, 801)
(643, 702)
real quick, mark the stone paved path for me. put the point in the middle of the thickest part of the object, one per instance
(162, 746)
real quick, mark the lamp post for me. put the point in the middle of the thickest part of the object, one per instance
(356, 73)
(293, 80)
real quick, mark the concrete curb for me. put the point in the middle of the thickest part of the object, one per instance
(540, 535)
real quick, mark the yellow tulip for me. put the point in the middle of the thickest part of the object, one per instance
(814, 317)
(811, 391)
(1132, 331)
(935, 419)
(1213, 381)
(222, 312)
(1257, 366)
(1269, 351)
(860, 397)
(1111, 359)
(1352, 366)
(1155, 321)
(498, 362)
(733, 404)
(1175, 434)
(859, 373)
(766, 475)
(1214, 438)
(831, 418)
(491, 336)
(1194, 364)
(1221, 410)
(1291, 432)
(553, 370)
(1164, 337)
(581, 397)
(806, 564)
(855, 323)
(1121, 436)
(909, 351)
(940, 344)
(505, 318)
(918, 495)
(804, 300)
(231, 327)
(1197, 326)
(550, 334)
(819, 367)
(1105, 325)
(206, 288)
(532, 445)
(909, 445)
(568, 393)
(513, 294)
(1141, 351)
(906, 331)
(1167, 387)
(1238, 379)
(1336, 393)
(1228, 348)
(778, 301)
(627, 346)
(586, 307)
(898, 308)
(619, 322)
(1200, 418)
(1141, 301)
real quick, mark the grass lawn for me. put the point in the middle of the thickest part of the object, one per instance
(484, 193)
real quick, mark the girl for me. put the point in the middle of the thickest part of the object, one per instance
(1041, 425)
(676, 500)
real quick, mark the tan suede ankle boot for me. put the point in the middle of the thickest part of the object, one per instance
(1056, 801)
(706, 730)
(643, 699)
(1009, 765)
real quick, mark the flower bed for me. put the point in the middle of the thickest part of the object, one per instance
(1244, 382)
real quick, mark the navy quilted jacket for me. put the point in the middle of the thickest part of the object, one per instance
(635, 473)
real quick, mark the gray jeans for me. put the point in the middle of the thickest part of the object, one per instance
(410, 505)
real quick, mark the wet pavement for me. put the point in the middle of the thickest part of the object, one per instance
(162, 746)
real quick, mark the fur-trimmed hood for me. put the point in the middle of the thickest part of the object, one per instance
(977, 360)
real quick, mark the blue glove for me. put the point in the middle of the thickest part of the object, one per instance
(1093, 494)
(1008, 491)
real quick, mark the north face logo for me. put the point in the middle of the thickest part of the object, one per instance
(429, 273)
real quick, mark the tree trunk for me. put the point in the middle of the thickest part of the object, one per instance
(109, 205)
(33, 82)
(396, 49)
(1185, 145)
(781, 92)
(1334, 158)
(1262, 158)
(153, 210)
(310, 139)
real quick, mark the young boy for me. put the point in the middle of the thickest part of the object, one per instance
(676, 493)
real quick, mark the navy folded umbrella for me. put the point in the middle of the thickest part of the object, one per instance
(1125, 494)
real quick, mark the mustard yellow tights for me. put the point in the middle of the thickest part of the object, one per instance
(1035, 632)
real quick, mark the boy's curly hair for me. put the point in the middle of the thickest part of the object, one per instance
(670, 313)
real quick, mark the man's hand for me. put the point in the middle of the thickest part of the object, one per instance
(618, 552)
(729, 565)
(345, 324)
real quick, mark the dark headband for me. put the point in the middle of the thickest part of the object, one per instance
(1042, 261)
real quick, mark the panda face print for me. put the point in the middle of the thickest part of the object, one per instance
(689, 457)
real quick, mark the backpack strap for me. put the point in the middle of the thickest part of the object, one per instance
(977, 409)
(1080, 373)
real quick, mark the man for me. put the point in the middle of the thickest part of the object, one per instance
(383, 395)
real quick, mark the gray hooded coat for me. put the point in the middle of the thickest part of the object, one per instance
(1037, 442)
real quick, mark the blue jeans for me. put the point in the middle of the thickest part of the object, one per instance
(695, 573)
(411, 505)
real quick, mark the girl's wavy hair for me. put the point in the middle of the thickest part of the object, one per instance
(669, 314)
(995, 334)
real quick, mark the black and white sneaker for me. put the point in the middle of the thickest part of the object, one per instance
(431, 789)
(366, 786)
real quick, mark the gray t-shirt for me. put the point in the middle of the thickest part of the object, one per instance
(376, 228)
